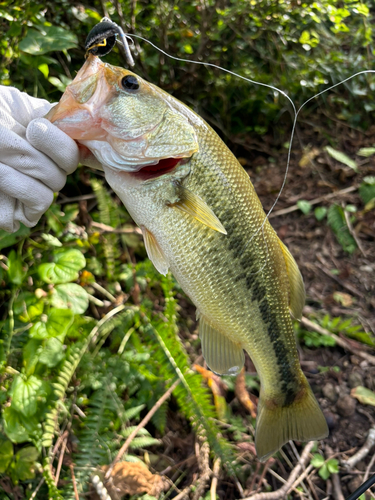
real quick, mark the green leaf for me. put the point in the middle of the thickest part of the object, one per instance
(30, 356)
(304, 206)
(44, 69)
(25, 392)
(6, 453)
(364, 395)
(342, 157)
(50, 39)
(52, 352)
(25, 461)
(324, 472)
(10, 239)
(367, 189)
(65, 267)
(70, 296)
(51, 240)
(333, 466)
(16, 270)
(317, 460)
(320, 213)
(13, 426)
(337, 222)
(57, 325)
(366, 152)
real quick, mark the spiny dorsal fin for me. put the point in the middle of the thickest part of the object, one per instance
(193, 205)
(154, 252)
(297, 293)
(223, 356)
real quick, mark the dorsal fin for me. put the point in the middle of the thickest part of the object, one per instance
(223, 356)
(297, 293)
(154, 252)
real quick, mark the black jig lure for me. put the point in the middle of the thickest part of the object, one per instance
(102, 38)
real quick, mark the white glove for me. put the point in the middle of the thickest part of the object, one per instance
(35, 157)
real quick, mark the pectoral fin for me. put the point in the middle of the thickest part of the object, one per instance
(297, 293)
(223, 356)
(193, 205)
(154, 252)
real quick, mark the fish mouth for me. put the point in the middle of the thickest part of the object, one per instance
(163, 167)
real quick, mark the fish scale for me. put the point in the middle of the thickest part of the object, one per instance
(201, 218)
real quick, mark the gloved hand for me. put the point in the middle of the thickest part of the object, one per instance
(35, 157)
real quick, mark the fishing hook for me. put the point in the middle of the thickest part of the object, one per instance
(102, 38)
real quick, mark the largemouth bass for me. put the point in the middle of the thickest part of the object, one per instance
(201, 218)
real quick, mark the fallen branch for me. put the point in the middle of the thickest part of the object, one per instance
(293, 208)
(215, 477)
(364, 451)
(109, 229)
(143, 422)
(291, 482)
(339, 341)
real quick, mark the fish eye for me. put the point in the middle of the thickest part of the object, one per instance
(130, 82)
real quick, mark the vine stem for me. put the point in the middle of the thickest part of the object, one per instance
(143, 422)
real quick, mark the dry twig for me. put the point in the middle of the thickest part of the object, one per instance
(294, 479)
(339, 341)
(74, 482)
(335, 479)
(110, 229)
(365, 450)
(215, 477)
(143, 422)
(293, 208)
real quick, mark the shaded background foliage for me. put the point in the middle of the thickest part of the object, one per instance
(60, 279)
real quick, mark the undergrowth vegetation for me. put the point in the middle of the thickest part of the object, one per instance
(89, 330)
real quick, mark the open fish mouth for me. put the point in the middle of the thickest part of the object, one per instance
(164, 166)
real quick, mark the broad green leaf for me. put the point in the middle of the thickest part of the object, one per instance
(65, 267)
(333, 465)
(30, 355)
(320, 213)
(6, 453)
(56, 326)
(324, 472)
(317, 460)
(304, 206)
(25, 461)
(10, 239)
(16, 270)
(50, 39)
(72, 296)
(364, 395)
(25, 393)
(13, 426)
(52, 352)
(342, 157)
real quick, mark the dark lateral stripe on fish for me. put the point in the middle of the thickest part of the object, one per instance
(241, 252)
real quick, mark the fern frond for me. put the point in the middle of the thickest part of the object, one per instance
(192, 396)
(109, 215)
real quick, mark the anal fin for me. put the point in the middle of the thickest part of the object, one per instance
(154, 252)
(223, 356)
(193, 205)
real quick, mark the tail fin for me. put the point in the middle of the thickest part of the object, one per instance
(303, 420)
